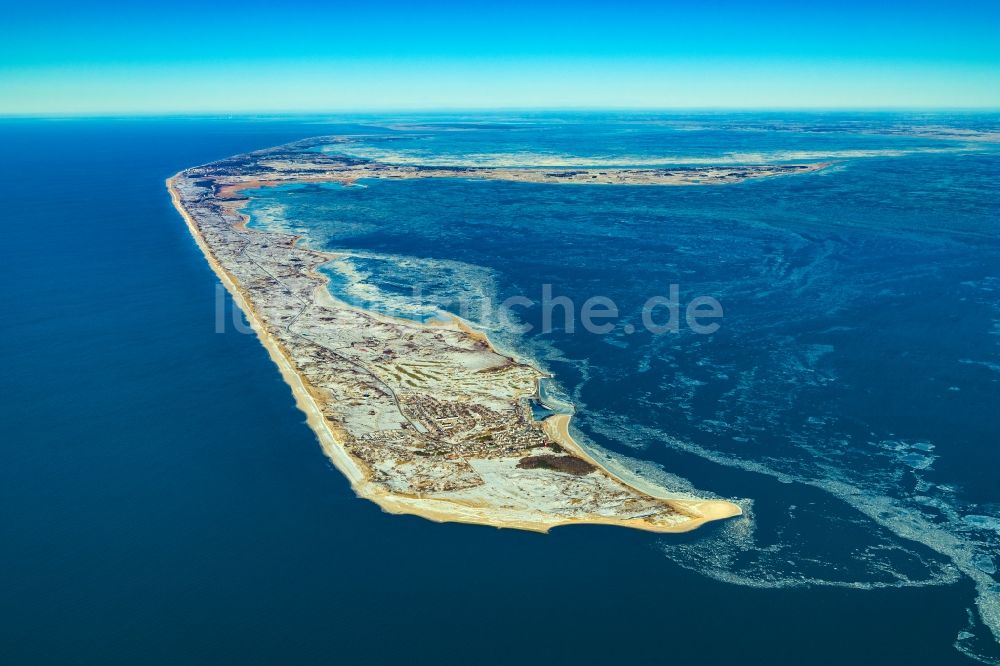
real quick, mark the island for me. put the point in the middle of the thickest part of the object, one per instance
(423, 418)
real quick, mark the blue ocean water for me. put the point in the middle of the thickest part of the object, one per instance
(162, 499)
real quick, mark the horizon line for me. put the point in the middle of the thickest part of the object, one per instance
(42, 115)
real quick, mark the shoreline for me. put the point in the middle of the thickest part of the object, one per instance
(701, 510)
(303, 398)
(437, 509)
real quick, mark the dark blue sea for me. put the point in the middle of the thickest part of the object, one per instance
(163, 501)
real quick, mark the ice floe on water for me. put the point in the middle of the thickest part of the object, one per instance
(984, 563)
(973, 644)
(889, 526)
(978, 522)
(737, 554)
(412, 288)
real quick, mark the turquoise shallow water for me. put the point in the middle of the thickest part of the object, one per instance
(163, 500)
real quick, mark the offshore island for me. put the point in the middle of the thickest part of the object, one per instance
(423, 418)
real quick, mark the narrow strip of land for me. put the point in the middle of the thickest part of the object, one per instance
(422, 419)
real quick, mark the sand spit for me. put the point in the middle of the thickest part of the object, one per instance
(423, 419)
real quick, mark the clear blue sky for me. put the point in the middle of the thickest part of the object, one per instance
(251, 57)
